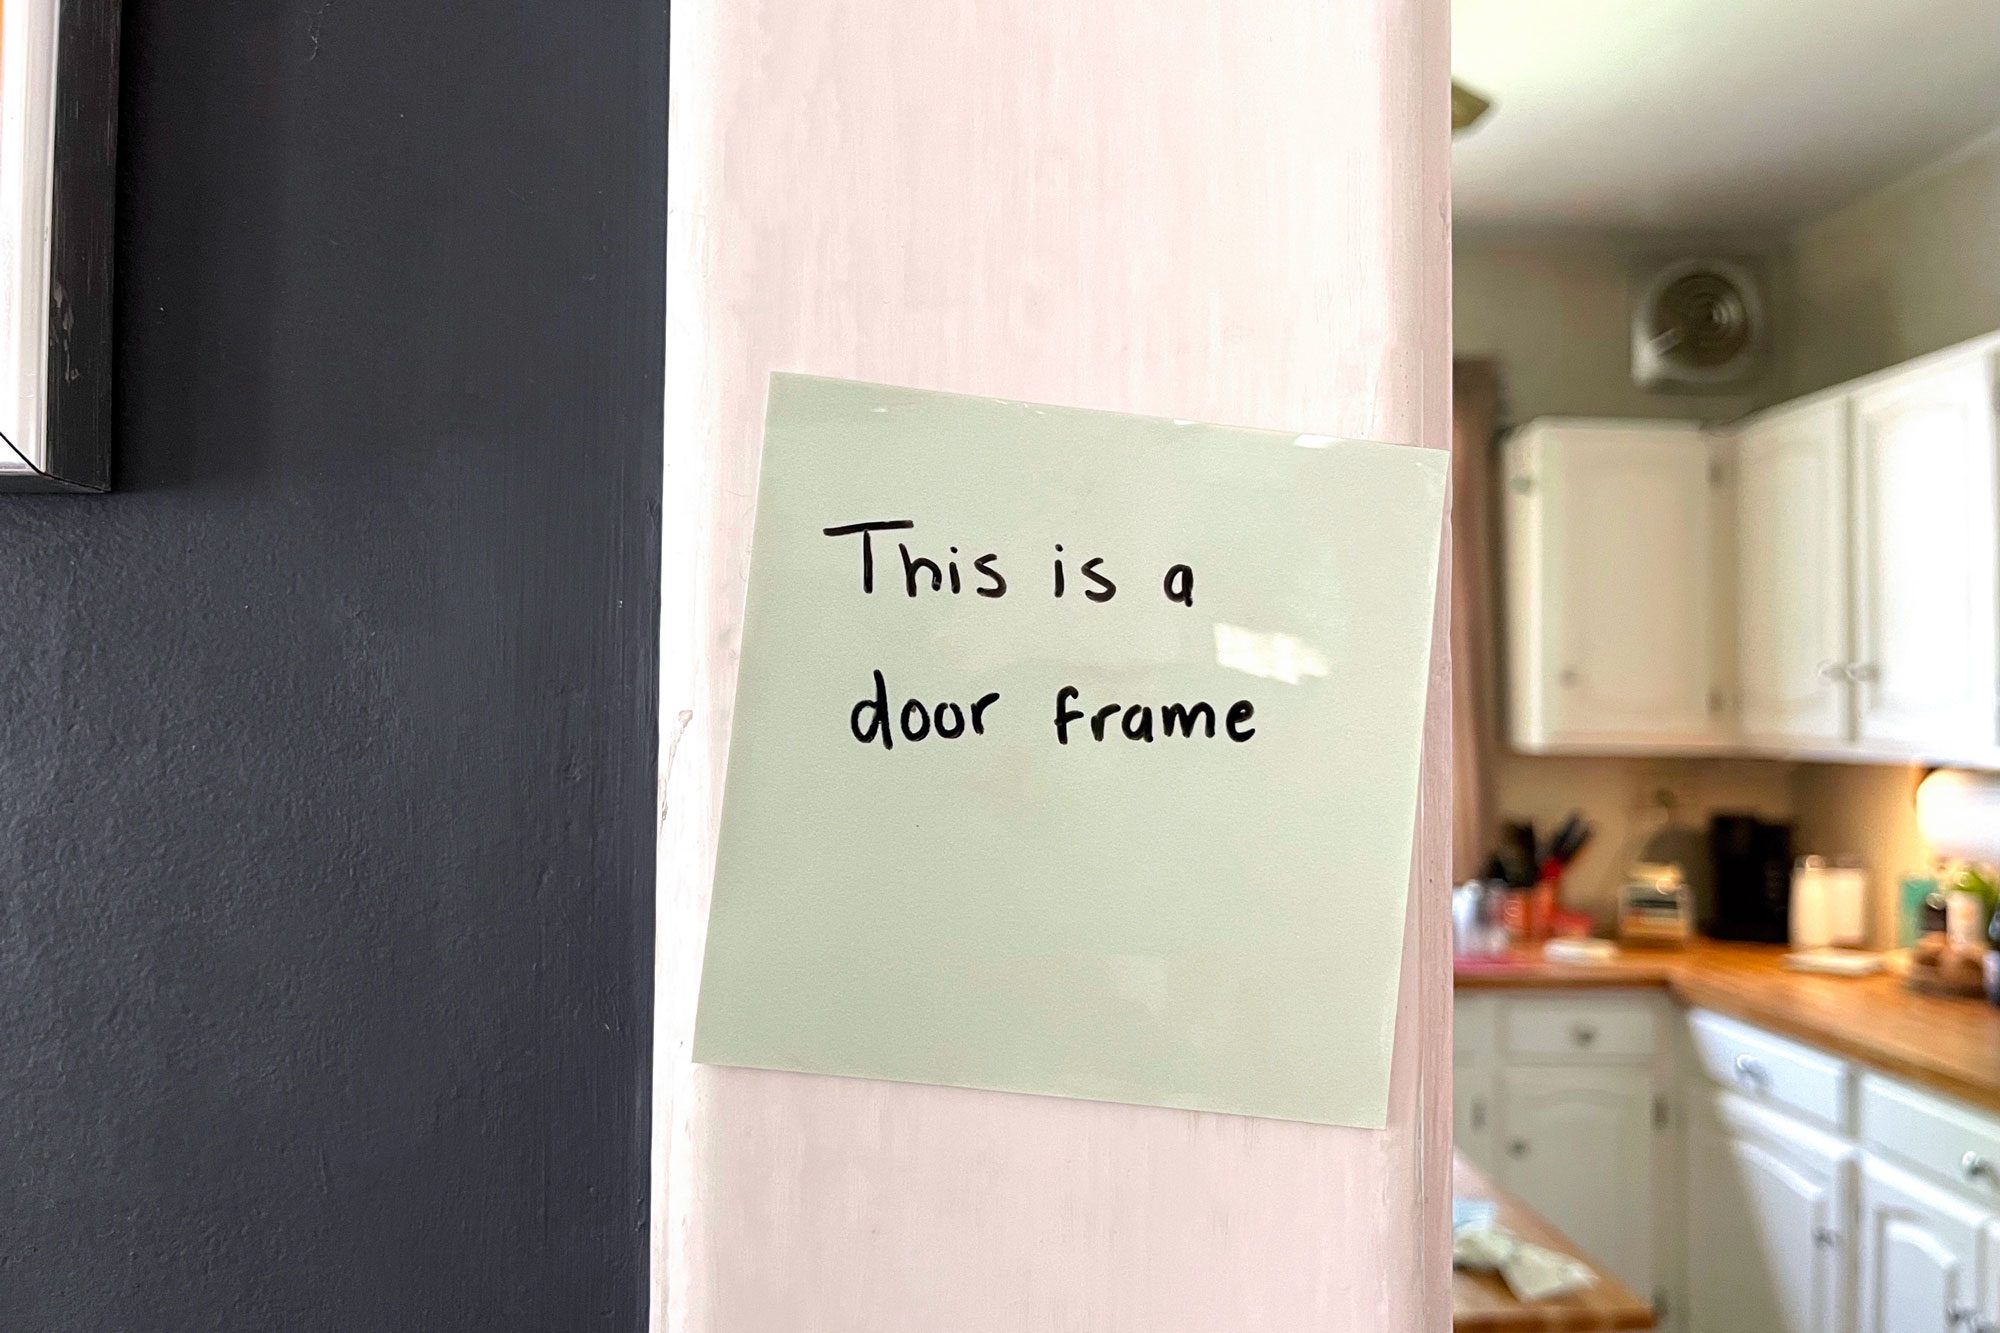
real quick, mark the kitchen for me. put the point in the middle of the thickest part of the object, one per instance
(1726, 633)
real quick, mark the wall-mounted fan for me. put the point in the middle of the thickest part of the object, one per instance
(1697, 324)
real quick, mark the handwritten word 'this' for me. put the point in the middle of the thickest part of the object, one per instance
(923, 573)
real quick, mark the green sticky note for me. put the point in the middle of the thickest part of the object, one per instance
(931, 869)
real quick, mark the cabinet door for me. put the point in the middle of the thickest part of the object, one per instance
(1577, 1147)
(1926, 606)
(1768, 1198)
(1472, 1118)
(1792, 537)
(1472, 1064)
(1919, 1246)
(1612, 580)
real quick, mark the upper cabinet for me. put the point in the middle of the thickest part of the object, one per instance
(1792, 577)
(1614, 604)
(1926, 561)
(1822, 580)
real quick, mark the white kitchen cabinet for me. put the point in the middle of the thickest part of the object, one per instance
(1945, 1140)
(1986, 1318)
(1472, 1120)
(1616, 587)
(1577, 1146)
(1472, 1063)
(1822, 581)
(1560, 1097)
(1927, 560)
(1792, 544)
(1768, 1200)
(1792, 1192)
(1772, 1070)
(1919, 1255)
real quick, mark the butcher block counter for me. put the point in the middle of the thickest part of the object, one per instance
(1947, 1044)
(1481, 1303)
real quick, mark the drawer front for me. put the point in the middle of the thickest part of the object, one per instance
(1579, 1029)
(1770, 1069)
(1947, 1139)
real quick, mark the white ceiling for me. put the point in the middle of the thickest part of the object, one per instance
(1737, 114)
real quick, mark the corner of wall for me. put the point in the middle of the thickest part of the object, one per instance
(1906, 270)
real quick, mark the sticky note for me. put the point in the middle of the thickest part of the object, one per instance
(1073, 753)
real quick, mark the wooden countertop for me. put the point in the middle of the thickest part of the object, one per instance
(1481, 1303)
(1948, 1044)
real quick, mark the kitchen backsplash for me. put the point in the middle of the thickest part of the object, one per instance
(1618, 797)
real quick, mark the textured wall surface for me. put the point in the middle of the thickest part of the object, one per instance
(326, 742)
(1906, 270)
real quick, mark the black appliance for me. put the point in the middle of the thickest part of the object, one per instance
(1751, 893)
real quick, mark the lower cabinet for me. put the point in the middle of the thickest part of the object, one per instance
(1472, 1052)
(1768, 1204)
(1920, 1254)
(1750, 1182)
(1561, 1100)
(1576, 1146)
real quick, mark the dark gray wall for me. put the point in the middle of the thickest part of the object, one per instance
(326, 741)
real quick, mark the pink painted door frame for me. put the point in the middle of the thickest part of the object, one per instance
(1201, 208)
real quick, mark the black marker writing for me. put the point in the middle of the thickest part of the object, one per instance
(1136, 720)
(867, 547)
(1105, 589)
(872, 719)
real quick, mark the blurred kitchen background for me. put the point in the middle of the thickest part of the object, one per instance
(1726, 635)
(1824, 179)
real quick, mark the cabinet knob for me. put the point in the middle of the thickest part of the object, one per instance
(1751, 1073)
(1974, 1166)
(1479, 1113)
(1518, 1148)
(1569, 677)
(1583, 1034)
(1833, 671)
(1826, 1238)
(1863, 673)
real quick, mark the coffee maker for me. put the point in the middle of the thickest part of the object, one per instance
(1751, 893)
